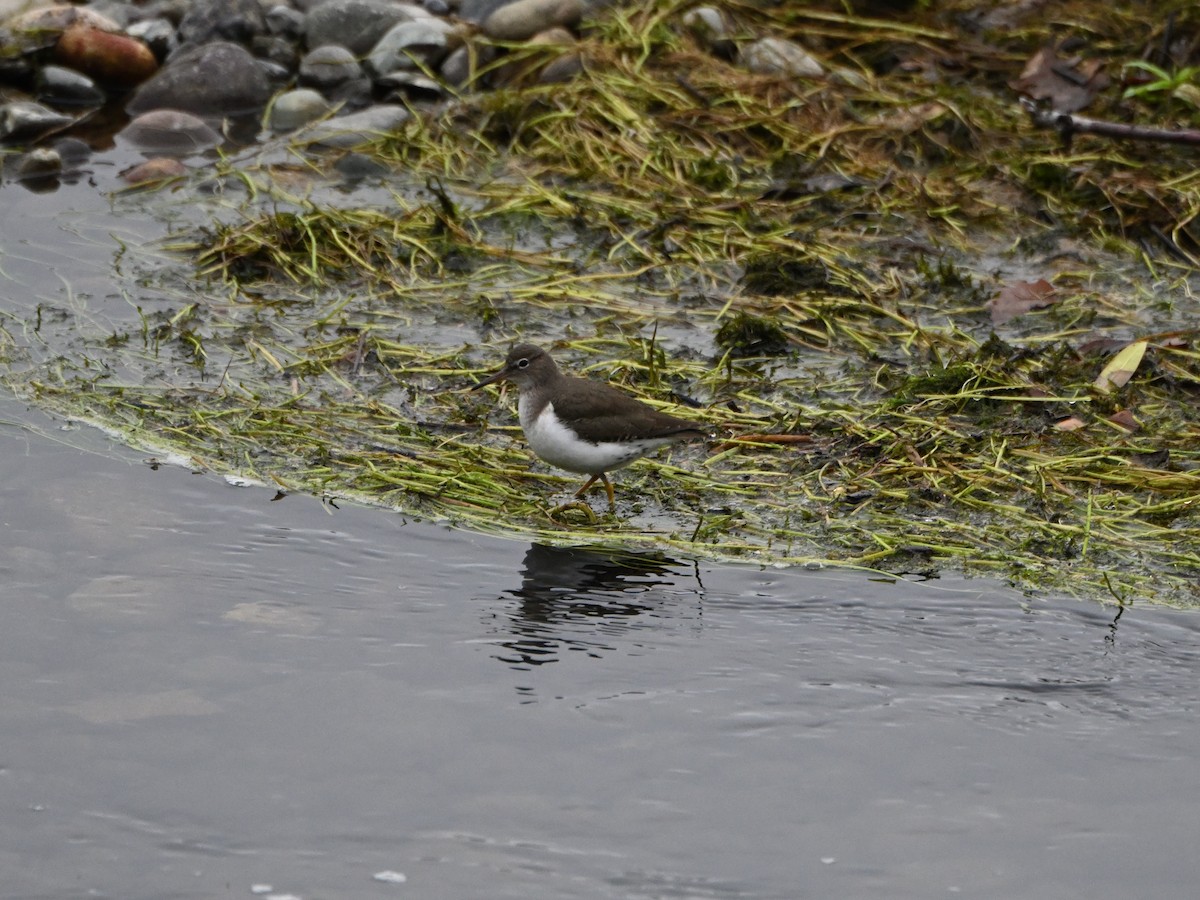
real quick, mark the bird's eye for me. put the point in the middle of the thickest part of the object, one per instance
(523, 364)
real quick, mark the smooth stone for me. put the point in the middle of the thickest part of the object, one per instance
(109, 58)
(188, 83)
(157, 34)
(357, 166)
(329, 65)
(475, 11)
(562, 69)
(73, 151)
(22, 120)
(776, 56)
(51, 21)
(278, 52)
(221, 20)
(557, 42)
(710, 28)
(525, 18)
(154, 171)
(170, 131)
(412, 86)
(436, 7)
(355, 24)
(426, 40)
(461, 65)
(357, 128)
(118, 11)
(296, 108)
(41, 162)
(285, 21)
(66, 87)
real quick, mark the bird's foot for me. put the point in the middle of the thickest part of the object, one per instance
(580, 506)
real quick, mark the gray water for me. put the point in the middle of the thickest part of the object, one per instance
(209, 693)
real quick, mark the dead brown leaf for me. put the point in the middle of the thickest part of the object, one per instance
(1124, 419)
(1020, 297)
(1068, 85)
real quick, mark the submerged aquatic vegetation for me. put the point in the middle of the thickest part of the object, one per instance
(807, 264)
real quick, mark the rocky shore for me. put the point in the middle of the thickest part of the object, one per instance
(172, 74)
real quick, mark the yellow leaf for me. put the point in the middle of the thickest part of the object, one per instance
(1121, 367)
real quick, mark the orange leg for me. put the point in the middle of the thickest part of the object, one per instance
(612, 499)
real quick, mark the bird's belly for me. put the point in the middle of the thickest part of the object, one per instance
(561, 447)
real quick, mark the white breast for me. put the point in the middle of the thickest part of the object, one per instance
(559, 446)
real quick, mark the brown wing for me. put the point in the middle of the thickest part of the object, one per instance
(623, 416)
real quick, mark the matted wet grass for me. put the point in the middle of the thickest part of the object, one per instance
(804, 265)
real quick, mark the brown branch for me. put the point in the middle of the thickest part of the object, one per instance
(1069, 124)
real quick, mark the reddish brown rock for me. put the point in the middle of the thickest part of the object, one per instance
(154, 171)
(108, 58)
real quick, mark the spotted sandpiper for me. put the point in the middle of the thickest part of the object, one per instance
(584, 426)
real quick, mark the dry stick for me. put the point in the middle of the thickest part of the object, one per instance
(1068, 125)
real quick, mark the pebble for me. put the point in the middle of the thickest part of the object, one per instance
(710, 28)
(426, 41)
(66, 87)
(328, 66)
(285, 21)
(293, 109)
(776, 56)
(400, 86)
(154, 171)
(526, 70)
(187, 83)
(23, 120)
(41, 162)
(525, 18)
(157, 34)
(110, 58)
(356, 25)
(239, 21)
(357, 128)
(170, 132)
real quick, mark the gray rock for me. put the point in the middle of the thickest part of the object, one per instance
(710, 28)
(355, 24)
(436, 7)
(426, 40)
(239, 21)
(284, 21)
(66, 87)
(414, 86)
(157, 34)
(41, 162)
(296, 108)
(169, 132)
(276, 50)
(776, 56)
(73, 152)
(114, 10)
(328, 66)
(356, 128)
(356, 166)
(23, 120)
(188, 83)
(562, 69)
(525, 18)
(476, 11)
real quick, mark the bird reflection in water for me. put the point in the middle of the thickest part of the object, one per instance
(572, 597)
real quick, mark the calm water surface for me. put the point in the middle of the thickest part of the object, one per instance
(207, 693)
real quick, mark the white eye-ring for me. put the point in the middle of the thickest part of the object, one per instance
(523, 364)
